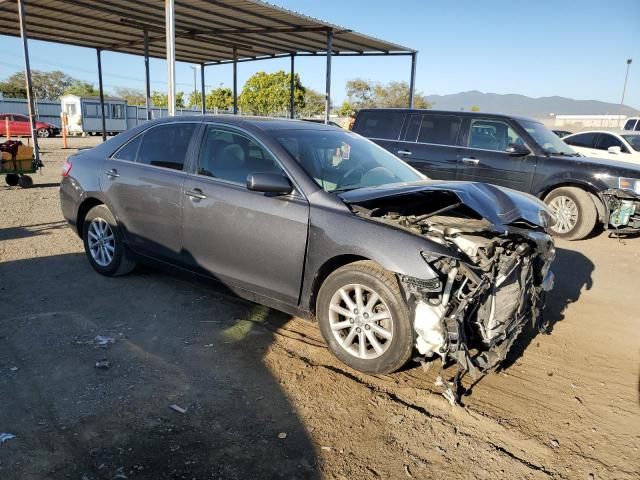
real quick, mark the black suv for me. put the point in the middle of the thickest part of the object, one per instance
(515, 152)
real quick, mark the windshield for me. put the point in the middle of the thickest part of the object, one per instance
(547, 140)
(340, 161)
(633, 140)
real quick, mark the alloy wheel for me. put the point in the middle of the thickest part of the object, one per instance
(566, 213)
(101, 241)
(360, 321)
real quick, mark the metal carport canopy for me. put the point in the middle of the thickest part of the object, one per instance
(205, 32)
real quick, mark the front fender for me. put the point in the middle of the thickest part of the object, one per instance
(335, 233)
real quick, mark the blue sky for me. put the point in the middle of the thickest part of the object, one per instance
(571, 48)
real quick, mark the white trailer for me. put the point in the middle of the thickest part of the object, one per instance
(84, 116)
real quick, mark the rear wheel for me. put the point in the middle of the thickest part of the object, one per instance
(12, 179)
(364, 318)
(26, 181)
(104, 245)
(576, 214)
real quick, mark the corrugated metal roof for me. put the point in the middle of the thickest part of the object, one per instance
(206, 30)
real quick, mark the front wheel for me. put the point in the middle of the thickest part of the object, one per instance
(576, 214)
(364, 318)
(43, 133)
(104, 245)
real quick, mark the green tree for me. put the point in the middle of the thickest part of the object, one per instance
(367, 94)
(81, 89)
(268, 93)
(131, 95)
(218, 98)
(345, 109)
(360, 93)
(313, 104)
(46, 85)
(160, 99)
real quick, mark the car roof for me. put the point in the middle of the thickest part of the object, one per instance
(615, 132)
(451, 112)
(263, 123)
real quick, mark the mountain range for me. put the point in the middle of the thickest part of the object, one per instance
(515, 104)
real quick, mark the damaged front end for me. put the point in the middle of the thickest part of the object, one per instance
(623, 209)
(491, 285)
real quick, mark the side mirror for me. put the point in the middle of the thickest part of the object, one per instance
(269, 183)
(614, 150)
(517, 150)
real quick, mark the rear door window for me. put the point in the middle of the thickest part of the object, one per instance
(439, 129)
(586, 140)
(380, 124)
(166, 145)
(630, 124)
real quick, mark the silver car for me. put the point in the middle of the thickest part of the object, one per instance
(323, 224)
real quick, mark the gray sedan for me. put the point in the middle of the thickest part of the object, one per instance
(323, 224)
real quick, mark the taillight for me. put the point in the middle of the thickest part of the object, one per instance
(66, 168)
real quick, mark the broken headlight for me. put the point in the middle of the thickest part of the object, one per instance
(629, 184)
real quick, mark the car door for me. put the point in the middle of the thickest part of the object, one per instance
(247, 239)
(429, 144)
(584, 143)
(142, 183)
(484, 157)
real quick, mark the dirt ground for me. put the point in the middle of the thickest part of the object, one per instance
(263, 396)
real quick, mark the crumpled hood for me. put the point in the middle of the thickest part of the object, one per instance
(498, 205)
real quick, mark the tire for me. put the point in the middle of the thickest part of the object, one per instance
(393, 352)
(575, 211)
(43, 133)
(12, 179)
(100, 220)
(26, 181)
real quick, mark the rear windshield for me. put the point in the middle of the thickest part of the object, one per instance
(379, 124)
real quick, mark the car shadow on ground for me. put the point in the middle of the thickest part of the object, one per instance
(177, 342)
(573, 274)
(23, 231)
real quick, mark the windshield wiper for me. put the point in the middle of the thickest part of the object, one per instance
(346, 188)
(562, 154)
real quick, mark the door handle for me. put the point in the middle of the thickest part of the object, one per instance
(404, 153)
(113, 173)
(471, 160)
(195, 193)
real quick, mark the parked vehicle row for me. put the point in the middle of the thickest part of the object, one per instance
(514, 152)
(19, 126)
(320, 222)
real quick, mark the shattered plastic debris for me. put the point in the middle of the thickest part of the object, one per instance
(13, 369)
(6, 436)
(178, 408)
(282, 435)
(103, 364)
(103, 341)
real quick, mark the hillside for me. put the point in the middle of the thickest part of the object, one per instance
(523, 105)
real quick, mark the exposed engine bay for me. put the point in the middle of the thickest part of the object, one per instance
(484, 294)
